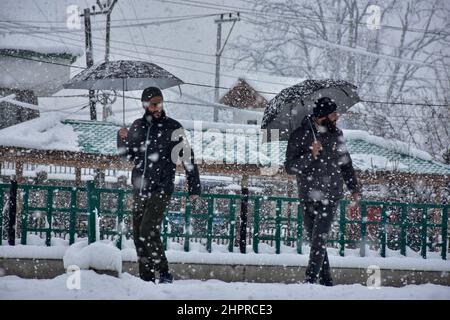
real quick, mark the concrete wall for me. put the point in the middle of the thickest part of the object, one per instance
(47, 269)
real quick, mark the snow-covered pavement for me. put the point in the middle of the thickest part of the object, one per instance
(96, 286)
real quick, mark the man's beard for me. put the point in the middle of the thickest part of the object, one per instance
(330, 125)
(152, 115)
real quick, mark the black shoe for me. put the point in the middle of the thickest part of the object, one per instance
(309, 280)
(148, 277)
(165, 278)
(326, 283)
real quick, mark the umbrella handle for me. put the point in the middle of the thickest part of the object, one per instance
(312, 129)
(123, 101)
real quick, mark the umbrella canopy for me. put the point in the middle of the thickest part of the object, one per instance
(288, 108)
(126, 75)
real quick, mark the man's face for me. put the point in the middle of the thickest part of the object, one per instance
(332, 117)
(154, 106)
(329, 121)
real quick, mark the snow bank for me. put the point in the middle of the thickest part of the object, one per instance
(32, 252)
(293, 260)
(100, 255)
(46, 132)
(100, 286)
(104, 255)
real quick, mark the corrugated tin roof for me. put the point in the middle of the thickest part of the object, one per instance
(100, 137)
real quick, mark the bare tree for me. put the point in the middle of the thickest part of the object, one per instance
(406, 59)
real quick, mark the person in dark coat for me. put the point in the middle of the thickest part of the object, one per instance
(317, 155)
(155, 143)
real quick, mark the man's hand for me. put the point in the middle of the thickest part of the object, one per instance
(354, 204)
(316, 148)
(123, 133)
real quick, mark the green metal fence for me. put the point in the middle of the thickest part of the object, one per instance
(74, 212)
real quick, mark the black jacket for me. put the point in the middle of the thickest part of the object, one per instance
(154, 170)
(321, 178)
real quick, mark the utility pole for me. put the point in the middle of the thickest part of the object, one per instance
(105, 8)
(89, 58)
(225, 17)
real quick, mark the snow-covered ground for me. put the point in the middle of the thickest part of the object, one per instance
(86, 284)
(88, 256)
(96, 286)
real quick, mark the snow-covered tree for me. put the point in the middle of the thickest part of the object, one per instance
(404, 60)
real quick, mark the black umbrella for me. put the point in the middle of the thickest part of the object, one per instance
(125, 75)
(288, 108)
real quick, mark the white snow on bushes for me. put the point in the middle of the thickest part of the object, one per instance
(98, 255)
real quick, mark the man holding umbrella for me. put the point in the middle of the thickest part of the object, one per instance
(316, 153)
(153, 144)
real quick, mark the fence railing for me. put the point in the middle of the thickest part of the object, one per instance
(52, 169)
(71, 212)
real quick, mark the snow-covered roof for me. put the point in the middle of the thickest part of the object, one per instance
(23, 42)
(267, 85)
(45, 133)
(242, 146)
(62, 49)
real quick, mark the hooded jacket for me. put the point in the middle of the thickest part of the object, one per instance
(322, 178)
(150, 144)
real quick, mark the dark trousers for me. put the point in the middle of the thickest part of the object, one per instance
(148, 213)
(317, 220)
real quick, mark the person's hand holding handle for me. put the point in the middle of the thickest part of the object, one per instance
(123, 133)
(316, 148)
(354, 202)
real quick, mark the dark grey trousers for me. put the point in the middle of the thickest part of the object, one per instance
(148, 213)
(317, 220)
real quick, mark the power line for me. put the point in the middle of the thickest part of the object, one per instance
(228, 88)
(226, 75)
(355, 50)
(253, 12)
(128, 30)
(372, 41)
(234, 59)
(409, 104)
(287, 16)
(115, 20)
(126, 25)
(55, 30)
(409, 118)
(212, 104)
(140, 29)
